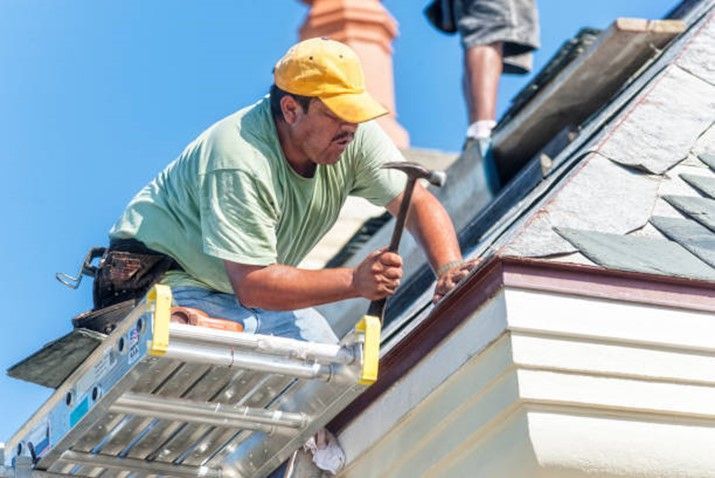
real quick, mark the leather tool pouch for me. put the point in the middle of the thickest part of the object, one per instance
(127, 275)
(123, 275)
(127, 271)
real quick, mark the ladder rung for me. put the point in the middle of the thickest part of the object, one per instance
(266, 344)
(132, 464)
(219, 414)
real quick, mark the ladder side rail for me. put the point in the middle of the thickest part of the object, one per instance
(85, 395)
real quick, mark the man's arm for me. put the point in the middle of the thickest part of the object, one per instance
(281, 287)
(433, 229)
(431, 226)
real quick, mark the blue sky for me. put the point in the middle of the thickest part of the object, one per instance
(96, 96)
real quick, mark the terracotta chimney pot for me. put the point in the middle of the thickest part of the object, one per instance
(369, 29)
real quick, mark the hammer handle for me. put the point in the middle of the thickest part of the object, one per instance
(377, 307)
(402, 215)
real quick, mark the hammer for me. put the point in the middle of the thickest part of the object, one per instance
(414, 172)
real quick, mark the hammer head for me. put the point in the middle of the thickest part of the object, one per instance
(417, 171)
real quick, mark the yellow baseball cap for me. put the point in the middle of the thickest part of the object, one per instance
(331, 71)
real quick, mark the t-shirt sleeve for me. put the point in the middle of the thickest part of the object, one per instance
(238, 221)
(373, 149)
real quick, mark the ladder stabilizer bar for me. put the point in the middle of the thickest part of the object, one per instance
(229, 357)
(220, 414)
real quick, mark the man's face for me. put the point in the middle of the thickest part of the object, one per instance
(320, 135)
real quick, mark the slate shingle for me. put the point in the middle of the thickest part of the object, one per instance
(638, 254)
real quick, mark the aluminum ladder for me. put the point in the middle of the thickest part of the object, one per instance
(158, 398)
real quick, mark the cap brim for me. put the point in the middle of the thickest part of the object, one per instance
(355, 107)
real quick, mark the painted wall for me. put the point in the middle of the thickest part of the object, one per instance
(544, 384)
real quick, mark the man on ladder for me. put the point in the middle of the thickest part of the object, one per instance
(242, 205)
(227, 222)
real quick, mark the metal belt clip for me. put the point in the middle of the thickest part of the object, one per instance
(87, 268)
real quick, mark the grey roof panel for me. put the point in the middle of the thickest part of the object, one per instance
(708, 158)
(705, 145)
(703, 184)
(698, 58)
(600, 195)
(689, 234)
(637, 254)
(700, 209)
(669, 119)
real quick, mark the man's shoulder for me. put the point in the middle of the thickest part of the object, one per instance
(369, 138)
(367, 130)
(369, 134)
(243, 127)
(239, 140)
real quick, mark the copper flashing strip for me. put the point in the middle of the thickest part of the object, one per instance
(534, 274)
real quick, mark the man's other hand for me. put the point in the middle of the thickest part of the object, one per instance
(452, 277)
(378, 275)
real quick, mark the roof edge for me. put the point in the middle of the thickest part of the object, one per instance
(535, 274)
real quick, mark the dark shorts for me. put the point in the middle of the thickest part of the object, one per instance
(515, 23)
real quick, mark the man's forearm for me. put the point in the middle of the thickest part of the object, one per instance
(281, 287)
(433, 229)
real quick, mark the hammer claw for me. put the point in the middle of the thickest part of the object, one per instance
(417, 171)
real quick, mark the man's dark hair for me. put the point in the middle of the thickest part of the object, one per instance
(276, 94)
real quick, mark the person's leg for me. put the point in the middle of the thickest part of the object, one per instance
(490, 31)
(482, 69)
(216, 304)
(480, 24)
(302, 324)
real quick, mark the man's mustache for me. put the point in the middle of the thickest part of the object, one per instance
(344, 135)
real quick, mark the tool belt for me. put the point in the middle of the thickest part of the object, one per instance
(127, 271)
(123, 275)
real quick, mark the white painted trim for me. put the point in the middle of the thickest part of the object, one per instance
(599, 319)
(471, 338)
(523, 354)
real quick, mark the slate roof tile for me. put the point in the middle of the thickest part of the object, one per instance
(703, 184)
(637, 254)
(601, 195)
(700, 209)
(700, 61)
(697, 239)
(709, 159)
(662, 128)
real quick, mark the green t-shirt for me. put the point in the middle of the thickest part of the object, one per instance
(232, 195)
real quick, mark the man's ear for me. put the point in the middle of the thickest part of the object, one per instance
(291, 109)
